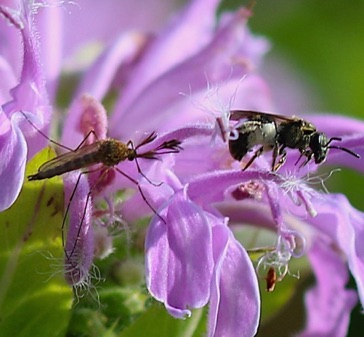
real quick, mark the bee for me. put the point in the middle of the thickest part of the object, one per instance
(277, 132)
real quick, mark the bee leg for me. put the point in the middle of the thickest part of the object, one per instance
(299, 158)
(281, 161)
(278, 151)
(275, 154)
(309, 155)
(255, 156)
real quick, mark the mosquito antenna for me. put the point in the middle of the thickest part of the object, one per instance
(147, 140)
(345, 149)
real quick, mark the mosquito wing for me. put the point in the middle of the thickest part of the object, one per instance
(70, 158)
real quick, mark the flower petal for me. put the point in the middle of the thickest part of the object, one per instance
(170, 47)
(80, 237)
(231, 42)
(235, 299)
(13, 151)
(30, 94)
(328, 304)
(119, 57)
(179, 257)
(111, 17)
(344, 224)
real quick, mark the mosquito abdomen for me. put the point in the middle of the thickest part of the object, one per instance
(67, 166)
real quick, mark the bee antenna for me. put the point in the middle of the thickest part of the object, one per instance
(344, 149)
(331, 139)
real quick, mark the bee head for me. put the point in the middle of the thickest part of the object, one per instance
(319, 146)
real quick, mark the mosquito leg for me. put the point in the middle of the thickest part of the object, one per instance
(43, 134)
(84, 211)
(91, 132)
(255, 156)
(80, 226)
(141, 193)
(55, 142)
(67, 211)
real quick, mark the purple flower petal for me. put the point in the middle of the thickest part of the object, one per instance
(179, 257)
(340, 158)
(328, 304)
(85, 114)
(232, 42)
(170, 47)
(80, 238)
(30, 94)
(235, 299)
(336, 125)
(118, 58)
(344, 224)
(13, 151)
(111, 18)
(50, 28)
(7, 79)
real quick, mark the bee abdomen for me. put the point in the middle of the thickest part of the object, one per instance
(239, 147)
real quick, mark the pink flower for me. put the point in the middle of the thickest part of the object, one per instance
(195, 196)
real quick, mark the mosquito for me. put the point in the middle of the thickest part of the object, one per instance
(107, 153)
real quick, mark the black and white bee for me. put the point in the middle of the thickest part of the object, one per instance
(276, 132)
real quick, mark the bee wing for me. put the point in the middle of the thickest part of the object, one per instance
(68, 157)
(235, 115)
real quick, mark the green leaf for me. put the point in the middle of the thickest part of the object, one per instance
(156, 322)
(35, 300)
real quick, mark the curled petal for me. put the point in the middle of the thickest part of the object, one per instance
(169, 47)
(86, 114)
(80, 238)
(112, 18)
(328, 304)
(119, 57)
(231, 43)
(30, 94)
(13, 151)
(336, 125)
(224, 179)
(50, 28)
(179, 258)
(235, 299)
(346, 229)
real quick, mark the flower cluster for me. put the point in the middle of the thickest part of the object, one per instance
(197, 195)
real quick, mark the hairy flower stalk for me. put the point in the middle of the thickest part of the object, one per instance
(195, 196)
